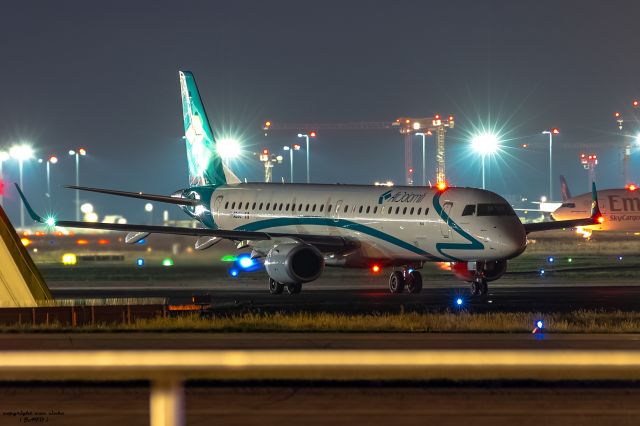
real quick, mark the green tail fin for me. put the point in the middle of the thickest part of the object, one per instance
(205, 166)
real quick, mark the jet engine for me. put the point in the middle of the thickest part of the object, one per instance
(492, 270)
(291, 263)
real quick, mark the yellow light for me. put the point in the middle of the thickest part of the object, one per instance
(442, 186)
(601, 219)
(25, 242)
(69, 259)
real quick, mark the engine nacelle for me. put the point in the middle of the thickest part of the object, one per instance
(291, 263)
(492, 270)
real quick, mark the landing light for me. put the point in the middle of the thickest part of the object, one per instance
(50, 221)
(246, 262)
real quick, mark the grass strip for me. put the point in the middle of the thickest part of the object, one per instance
(582, 321)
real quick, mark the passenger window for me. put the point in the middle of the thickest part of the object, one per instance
(261, 204)
(307, 208)
(280, 206)
(360, 209)
(469, 210)
(329, 209)
(404, 211)
(426, 211)
(397, 210)
(368, 208)
(419, 210)
(287, 207)
(300, 208)
(253, 207)
(375, 210)
(411, 212)
(346, 208)
(313, 209)
(226, 205)
(321, 208)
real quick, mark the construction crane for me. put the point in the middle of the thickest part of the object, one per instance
(626, 153)
(589, 162)
(407, 126)
(269, 161)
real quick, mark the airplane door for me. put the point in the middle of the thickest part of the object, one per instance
(217, 204)
(445, 229)
(335, 213)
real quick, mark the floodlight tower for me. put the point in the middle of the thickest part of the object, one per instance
(589, 162)
(269, 161)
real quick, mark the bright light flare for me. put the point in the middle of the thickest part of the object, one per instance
(375, 269)
(485, 144)
(441, 186)
(21, 152)
(228, 148)
(4, 156)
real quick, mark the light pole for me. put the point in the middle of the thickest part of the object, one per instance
(21, 153)
(295, 147)
(551, 132)
(4, 156)
(483, 144)
(77, 153)
(149, 209)
(307, 136)
(52, 160)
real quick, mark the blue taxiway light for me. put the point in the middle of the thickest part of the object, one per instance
(540, 324)
(619, 257)
(233, 272)
(140, 261)
(459, 301)
(551, 259)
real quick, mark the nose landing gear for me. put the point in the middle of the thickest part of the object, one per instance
(479, 286)
(409, 278)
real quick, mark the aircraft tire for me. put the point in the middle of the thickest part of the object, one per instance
(294, 288)
(414, 282)
(484, 287)
(396, 282)
(275, 287)
(475, 288)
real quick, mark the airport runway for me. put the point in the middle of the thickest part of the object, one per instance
(246, 341)
(353, 299)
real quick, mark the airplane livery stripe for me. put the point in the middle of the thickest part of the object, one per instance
(473, 243)
(337, 223)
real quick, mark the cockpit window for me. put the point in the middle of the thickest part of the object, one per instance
(485, 209)
(569, 205)
(469, 210)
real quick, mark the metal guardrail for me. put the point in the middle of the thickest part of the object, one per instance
(167, 370)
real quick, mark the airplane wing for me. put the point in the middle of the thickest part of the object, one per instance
(595, 218)
(324, 243)
(139, 195)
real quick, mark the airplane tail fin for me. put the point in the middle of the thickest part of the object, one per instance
(205, 165)
(564, 189)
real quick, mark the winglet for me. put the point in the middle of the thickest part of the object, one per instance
(596, 215)
(31, 212)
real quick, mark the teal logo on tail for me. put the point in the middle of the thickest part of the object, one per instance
(205, 166)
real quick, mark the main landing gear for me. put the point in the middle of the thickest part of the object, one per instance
(277, 288)
(479, 286)
(408, 278)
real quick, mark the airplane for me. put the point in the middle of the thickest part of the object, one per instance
(296, 230)
(620, 208)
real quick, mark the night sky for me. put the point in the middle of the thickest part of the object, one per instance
(104, 76)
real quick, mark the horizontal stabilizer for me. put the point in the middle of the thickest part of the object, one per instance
(139, 195)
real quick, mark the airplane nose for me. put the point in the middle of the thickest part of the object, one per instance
(515, 240)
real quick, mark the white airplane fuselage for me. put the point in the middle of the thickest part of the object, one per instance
(392, 226)
(619, 207)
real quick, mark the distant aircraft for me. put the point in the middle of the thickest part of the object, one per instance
(297, 229)
(620, 208)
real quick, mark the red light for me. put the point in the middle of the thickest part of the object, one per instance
(616, 114)
(635, 103)
(441, 186)
(296, 147)
(1, 187)
(312, 134)
(429, 133)
(410, 170)
(103, 242)
(265, 151)
(451, 118)
(82, 151)
(525, 145)
(375, 269)
(632, 187)
(555, 131)
(436, 117)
